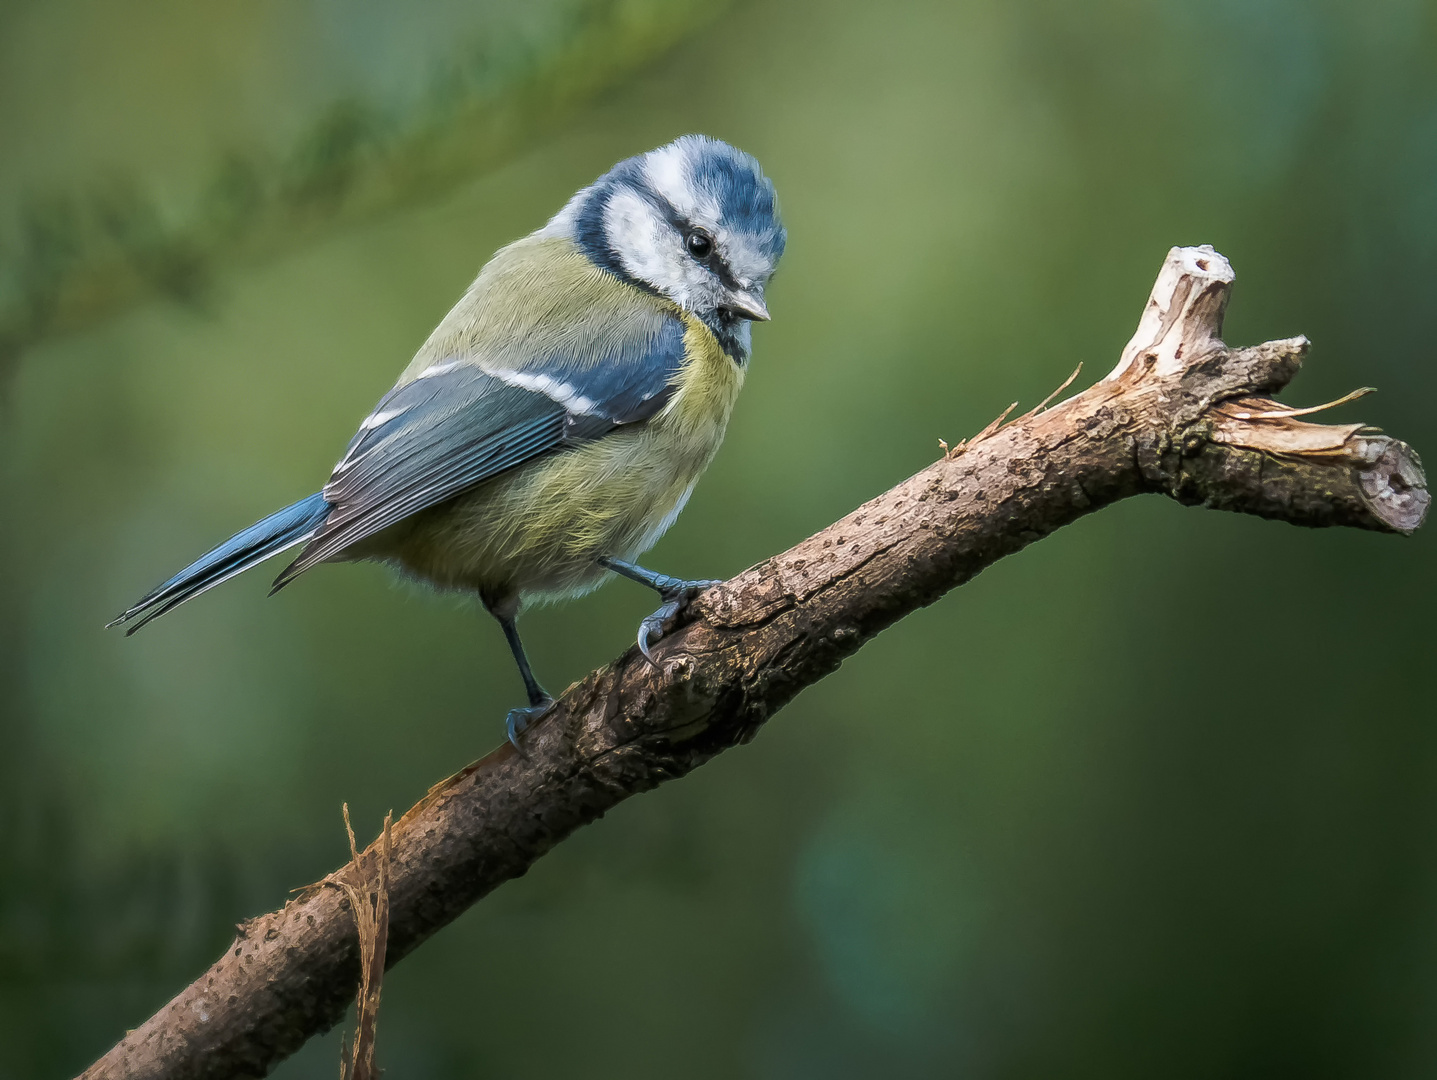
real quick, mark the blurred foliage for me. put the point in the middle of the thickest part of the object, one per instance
(1154, 798)
(81, 248)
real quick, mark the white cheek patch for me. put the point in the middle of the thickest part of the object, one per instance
(637, 235)
(649, 249)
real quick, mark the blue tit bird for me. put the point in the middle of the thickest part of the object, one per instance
(554, 424)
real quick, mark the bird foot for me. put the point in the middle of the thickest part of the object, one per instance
(520, 720)
(677, 594)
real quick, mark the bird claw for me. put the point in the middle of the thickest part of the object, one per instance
(655, 626)
(520, 720)
(677, 596)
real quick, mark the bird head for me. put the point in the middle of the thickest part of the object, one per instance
(695, 221)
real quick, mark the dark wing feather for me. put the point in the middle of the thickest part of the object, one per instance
(458, 425)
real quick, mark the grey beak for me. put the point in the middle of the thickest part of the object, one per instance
(748, 304)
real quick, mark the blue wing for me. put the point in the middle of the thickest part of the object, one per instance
(459, 424)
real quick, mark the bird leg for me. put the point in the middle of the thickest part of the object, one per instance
(540, 702)
(676, 594)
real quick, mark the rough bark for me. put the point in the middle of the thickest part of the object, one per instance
(1182, 414)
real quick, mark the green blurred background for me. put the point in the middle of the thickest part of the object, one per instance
(1154, 798)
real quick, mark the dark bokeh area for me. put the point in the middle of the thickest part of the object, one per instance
(1153, 798)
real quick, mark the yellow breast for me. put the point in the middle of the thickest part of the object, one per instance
(538, 530)
(705, 391)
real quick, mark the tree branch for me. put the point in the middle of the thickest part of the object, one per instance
(1181, 414)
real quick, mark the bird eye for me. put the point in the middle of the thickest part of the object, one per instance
(700, 244)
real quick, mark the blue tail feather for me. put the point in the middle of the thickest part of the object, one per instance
(281, 530)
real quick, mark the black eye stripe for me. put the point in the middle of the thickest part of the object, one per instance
(715, 263)
(684, 228)
(721, 271)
